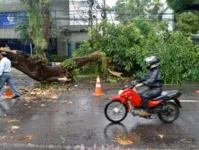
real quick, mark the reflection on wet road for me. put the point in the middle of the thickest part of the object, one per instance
(81, 123)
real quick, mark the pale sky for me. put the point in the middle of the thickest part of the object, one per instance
(111, 2)
(108, 2)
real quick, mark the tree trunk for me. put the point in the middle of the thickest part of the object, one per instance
(36, 68)
(46, 22)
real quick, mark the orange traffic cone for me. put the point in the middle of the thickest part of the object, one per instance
(98, 91)
(8, 91)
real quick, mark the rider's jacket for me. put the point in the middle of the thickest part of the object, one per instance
(152, 79)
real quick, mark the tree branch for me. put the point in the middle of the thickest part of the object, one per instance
(37, 69)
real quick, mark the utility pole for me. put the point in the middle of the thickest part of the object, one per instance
(90, 12)
(104, 4)
(104, 15)
(91, 17)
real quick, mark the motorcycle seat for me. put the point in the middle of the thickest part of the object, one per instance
(168, 95)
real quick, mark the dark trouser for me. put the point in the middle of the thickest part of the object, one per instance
(149, 94)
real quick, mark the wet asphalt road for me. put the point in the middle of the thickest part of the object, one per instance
(58, 125)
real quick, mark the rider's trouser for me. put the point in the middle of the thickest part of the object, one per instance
(150, 94)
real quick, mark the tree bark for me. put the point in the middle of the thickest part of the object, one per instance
(46, 22)
(36, 68)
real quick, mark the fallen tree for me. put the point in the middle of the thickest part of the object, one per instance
(36, 68)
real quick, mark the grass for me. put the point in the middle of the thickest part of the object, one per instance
(86, 76)
(49, 87)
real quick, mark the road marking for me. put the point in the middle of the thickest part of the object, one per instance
(54, 147)
(188, 101)
(7, 145)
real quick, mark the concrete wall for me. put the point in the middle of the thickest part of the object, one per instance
(62, 46)
(168, 14)
(61, 7)
(75, 37)
(11, 5)
(8, 33)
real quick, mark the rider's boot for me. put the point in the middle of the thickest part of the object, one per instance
(144, 113)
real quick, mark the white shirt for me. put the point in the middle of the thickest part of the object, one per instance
(5, 65)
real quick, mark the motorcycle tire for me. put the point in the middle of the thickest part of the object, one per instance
(110, 119)
(164, 118)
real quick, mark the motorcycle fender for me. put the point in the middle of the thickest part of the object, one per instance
(178, 103)
(122, 100)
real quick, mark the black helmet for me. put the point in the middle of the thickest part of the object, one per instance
(152, 62)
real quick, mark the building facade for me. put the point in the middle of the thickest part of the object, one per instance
(167, 14)
(72, 21)
(73, 18)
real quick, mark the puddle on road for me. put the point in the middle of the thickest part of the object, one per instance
(35, 117)
(119, 134)
(7, 104)
(126, 139)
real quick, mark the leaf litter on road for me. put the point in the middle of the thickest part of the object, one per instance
(126, 139)
(20, 138)
(62, 138)
(12, 121)
(187, 141)
(24, 137)
(42, 105)
(161, 136)
(70, 102)
(23, 91)
(64, 101)
(13, 129)
(36, 94)
(3, 137)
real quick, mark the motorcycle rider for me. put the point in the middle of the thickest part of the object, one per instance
(153, 81)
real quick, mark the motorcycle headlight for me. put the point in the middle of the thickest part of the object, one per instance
(120, 92)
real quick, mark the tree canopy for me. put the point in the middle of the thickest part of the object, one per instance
(37, 25)
(187, 22)
(179, 5)
(126, 11)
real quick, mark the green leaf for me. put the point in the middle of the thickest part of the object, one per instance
(124, 137)
(62, 138)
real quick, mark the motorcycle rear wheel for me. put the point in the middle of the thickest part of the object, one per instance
(172, 114)
(119, 104)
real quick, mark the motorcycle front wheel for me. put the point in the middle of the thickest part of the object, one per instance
(115, 111)
(171, 114)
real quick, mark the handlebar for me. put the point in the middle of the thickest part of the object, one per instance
(132, 84)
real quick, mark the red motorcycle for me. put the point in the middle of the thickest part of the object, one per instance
(166, 106)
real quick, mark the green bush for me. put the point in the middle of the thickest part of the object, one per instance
(178, 54)
(84, 49)
(119, 42)
(57, 58)
(126, 46)
(187, 22)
